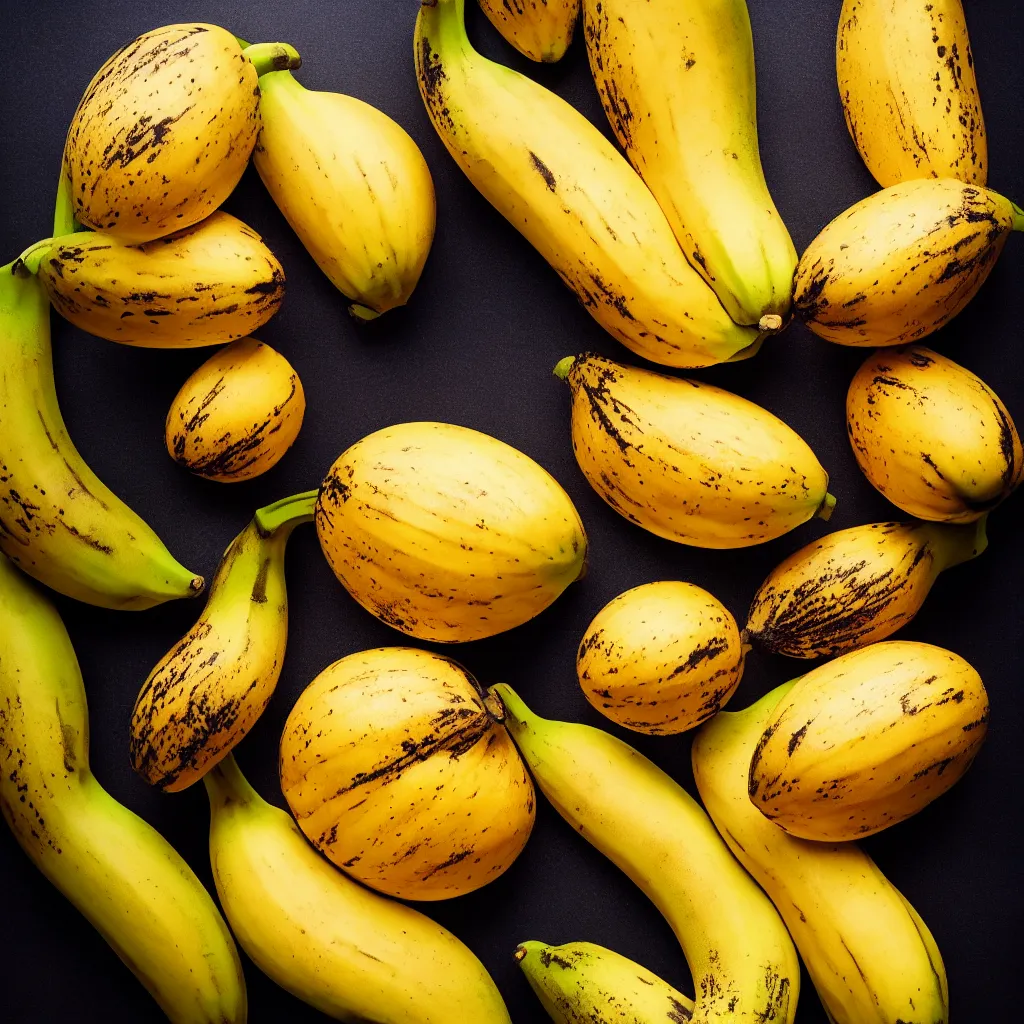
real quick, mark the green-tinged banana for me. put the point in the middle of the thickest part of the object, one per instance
(204, 285)
(165, 129)
(688, 461)
(744, 967)
(661, 658)
(931, 436)
(58, 522)
(349, 952)
(539, 29)
(871, 958)
(208, 690)
(354, 187)
(856, 586)
(119, 872)
(676, 78)
(909, 92)
(867, 740)
(902, 263)
(574, 197)
(580, 983)
(446, 533)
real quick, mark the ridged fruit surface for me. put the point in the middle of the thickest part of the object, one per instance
(539, 29)
(867, 740)
(398, 769)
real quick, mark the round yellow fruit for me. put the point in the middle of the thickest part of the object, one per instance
(237, 415)
(398, 769)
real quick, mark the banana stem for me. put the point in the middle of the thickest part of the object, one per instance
(288, 512)
(517, 716)
(266, 57)
(564, 367)
(959, 544)
(1018, 217)
(33, 255)
(225, 784)
(64, 222)
(826, 508)
(362, 313)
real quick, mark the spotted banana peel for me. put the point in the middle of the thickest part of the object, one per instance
(539, 29)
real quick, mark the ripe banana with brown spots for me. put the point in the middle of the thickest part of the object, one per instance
(676, 78)
(539, 29)
(210, 688)
(855, 587)
(575, 198)
(688, 461)
(909, 92)
(744, 967)
(931, 436)
(870, 956)
(867, 740)
(902, 263)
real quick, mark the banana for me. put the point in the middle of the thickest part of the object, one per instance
(902, 263)
(539, 29)
(931, 436)
(580, 983)
(856, 586)
(352, 954)
(661, 658)
(867, 740)
(208, 690)
(573, 196)
(398, 769)
(909, 92)
(744, 967)
(120, 873)
(871, 958)
(58, 522)
(354, 187)
(446, 533)
(204, 285)
(677, 82)
(688, 461)
(165, 129)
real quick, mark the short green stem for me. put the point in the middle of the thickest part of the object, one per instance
(33, 255)
(1018, 217)
(64, 222)
(955, 545)
(286, 512)
(266, 57)
(517, 715)
(361, 312)
(826, 508)
(225, 784)
(564, 367)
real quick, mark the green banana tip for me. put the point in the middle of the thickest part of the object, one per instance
(291, 511)
(362, 313)
(524, 949)
(30, 259)
(564, 366)
(826, 508)
(196, 586)
(267, 57)
(1018, 216)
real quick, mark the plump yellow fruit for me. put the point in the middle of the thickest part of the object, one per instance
(446, 533)
(931, 436)
(539, 29)
(237, 415)
(901, 263)
(867, 740)
(661, 658)
(205, 285)
(398, 769)
(909, 92)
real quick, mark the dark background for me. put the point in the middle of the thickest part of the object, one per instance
(476, 346)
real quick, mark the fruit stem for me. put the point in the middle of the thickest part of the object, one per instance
(826, 508)
(518, 717)
(64, 222)
(361, 312)
(564, 366)
(266, 57)
(33, 255)
(959, 544)
(225, 784)
(1018, 217)
(286, 512)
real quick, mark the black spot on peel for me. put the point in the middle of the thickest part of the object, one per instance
(544, 171)
(259, 587)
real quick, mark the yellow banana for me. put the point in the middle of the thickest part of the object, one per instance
(446, 533)
(871, 958)
(676, 78)
(867, 740)
(688, 461)
(931, 436)
(573, 196)
(354, 187)
(352, 954)
(902, 263)
(539, 29)
(120, 873)
(743, 963)
(209, 689)
(909, 92)
(856, 586)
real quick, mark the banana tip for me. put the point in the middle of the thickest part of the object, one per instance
(563, 367)
(196, 586)
(770, 323)
(826, 508)
(520, 954)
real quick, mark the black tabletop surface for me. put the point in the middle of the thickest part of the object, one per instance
(476, 346)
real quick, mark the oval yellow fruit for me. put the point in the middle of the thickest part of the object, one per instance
(237, 415)
(398, 769)
(661, 658)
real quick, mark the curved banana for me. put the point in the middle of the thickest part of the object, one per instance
(902, 263)
(580, 983)
(688, 461)
(209, 689)
(931, 436)
(573, 196)
(354, 187)
(58, 522)
(743, 963)
(349, 952)
(909, 92)
(676, 78)
(856, 586)
(539, 29)
(871, 958)
(121, 874)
